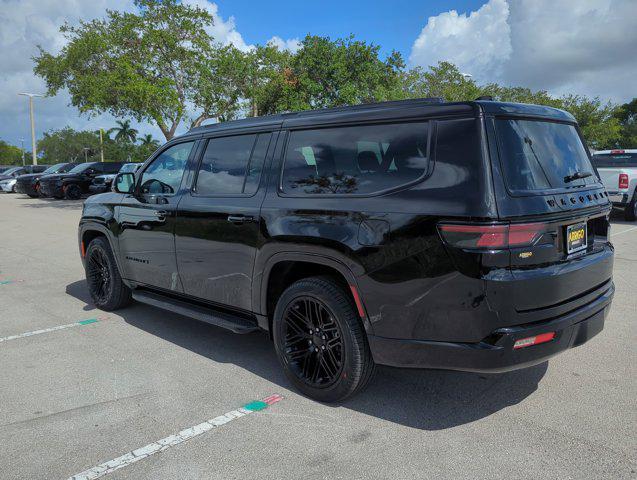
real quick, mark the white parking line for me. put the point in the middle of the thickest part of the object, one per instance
(172, 440)
(47, 330)
(623, 231)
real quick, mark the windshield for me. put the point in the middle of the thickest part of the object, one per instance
(129, 167)
(80, 168)
(11, 171)
(617, 160)
(57, 168)
(541, 155)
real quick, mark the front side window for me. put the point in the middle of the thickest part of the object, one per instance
(355, 160)
(541, 155)
(163, 175)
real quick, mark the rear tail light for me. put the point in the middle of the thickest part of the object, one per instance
(529, 341)
(623, 180)
(493, 236)
(616, 152)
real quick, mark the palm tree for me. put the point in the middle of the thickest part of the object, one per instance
(148, 140)
(124, 132)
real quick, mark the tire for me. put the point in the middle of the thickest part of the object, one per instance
(319, 303)
(630, 212)
(72, 192)
(105, 285)
(33, 195)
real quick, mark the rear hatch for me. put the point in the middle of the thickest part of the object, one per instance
(556, 213)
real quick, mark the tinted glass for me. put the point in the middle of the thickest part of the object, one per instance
(82, 167)
(11, 171)
(129, 167)
(355, 160)
(55, 168)
(111, 167)
(163, 175)
(224, 164)
(615, 160)
(541, 155)
(253, 175)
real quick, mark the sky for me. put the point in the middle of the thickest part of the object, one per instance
(565, 46)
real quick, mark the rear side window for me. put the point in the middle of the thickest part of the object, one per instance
(355, 160)
(112, 167)
(232, 165)
(615, 160)
(540, 155)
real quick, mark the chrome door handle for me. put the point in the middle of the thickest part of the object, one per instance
(240, 218)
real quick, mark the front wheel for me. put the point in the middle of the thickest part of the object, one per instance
(320, 341)
(72, 192)
(105, 284)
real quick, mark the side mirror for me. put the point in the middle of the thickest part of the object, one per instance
(124, 183)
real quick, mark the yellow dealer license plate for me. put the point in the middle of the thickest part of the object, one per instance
(576, 238)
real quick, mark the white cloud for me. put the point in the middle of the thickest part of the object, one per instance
(568, 46)
(24, 24)
(293, 44)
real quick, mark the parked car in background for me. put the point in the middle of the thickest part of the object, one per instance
(465, 236)
(29, 184)
(618, 171)
(102, 183)
(76, 182)
(9, 176)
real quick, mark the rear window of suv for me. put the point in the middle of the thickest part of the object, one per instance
(355, 160)
(541, 155)
(615, 160)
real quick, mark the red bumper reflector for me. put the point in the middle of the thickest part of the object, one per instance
(83, 249)
(528, 341)
(357, 301)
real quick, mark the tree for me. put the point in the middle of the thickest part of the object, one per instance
(600, 127)
(67, 145)
(626, 114)
(11, 155)
(123, 132)
(148, 140)
(443, 80)
(144, 65)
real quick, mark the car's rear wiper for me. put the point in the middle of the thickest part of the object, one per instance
(577, 176)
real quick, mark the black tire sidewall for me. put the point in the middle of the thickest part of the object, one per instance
(116, 299)
(343, 311)
(73, 192)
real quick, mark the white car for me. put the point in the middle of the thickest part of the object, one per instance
(8, 185)
(618, 171)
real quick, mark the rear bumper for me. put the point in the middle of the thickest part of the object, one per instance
(495, 353)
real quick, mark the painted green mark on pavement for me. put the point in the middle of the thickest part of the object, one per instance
(255, 406)
(6, 282)
(90, 320)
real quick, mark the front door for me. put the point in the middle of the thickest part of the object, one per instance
(146, 220)
(217, 229)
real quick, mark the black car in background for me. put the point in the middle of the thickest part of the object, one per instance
(29, 184)
(102, 183)
(465, 236)
(13, 172)
(76, 182)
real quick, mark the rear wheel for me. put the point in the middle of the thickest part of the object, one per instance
(72, 192)
(105, 284)
(320, 341)
(630, 212)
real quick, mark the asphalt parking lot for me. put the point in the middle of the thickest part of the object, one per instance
(106, 384)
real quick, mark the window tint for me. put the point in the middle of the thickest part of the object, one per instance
(541, 155)
(253, 175)
(610, 160)
(354, 160)
(111, 167)
(223, 167)
(163, 175)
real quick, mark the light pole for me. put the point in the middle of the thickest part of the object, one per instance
(86, 149)
(31, 95)
(22, 141)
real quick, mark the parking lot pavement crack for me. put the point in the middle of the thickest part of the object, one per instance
(74, 410)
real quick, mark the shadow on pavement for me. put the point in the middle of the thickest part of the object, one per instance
(424, 399)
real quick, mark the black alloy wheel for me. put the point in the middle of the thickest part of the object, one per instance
(320, 340)
(72, 192)
(313, 344)
(105, 285)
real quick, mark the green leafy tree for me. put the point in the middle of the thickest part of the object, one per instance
(68, 145)
(599, 125)
(443, 80)
(123, 132)
(142, 65)
(626, 114)
(12, 155)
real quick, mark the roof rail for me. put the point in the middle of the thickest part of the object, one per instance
(485, 97)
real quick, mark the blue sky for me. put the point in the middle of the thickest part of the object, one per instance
(392, 25)
(562, 46)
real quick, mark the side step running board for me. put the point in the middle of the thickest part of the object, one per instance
(234, 323)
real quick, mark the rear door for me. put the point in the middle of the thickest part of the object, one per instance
(217, 228)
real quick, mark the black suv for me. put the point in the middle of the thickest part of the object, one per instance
(466, 236)
(30, 183)
(75, 182)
